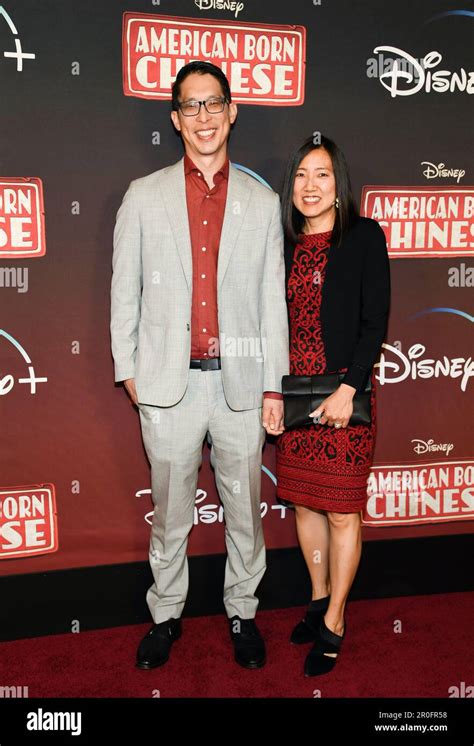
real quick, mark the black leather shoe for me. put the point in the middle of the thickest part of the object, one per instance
(249, 647)
(307, 630)
(154, 649)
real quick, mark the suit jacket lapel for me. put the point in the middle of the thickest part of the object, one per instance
(238, 196)
(173, 194)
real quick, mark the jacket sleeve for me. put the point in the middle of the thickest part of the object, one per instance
(126, 286)
(274, 319)
(375, 305)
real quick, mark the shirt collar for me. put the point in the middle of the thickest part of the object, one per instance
(190, 166)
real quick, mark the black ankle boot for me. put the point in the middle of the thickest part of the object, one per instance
(306, 630)
(318, 661)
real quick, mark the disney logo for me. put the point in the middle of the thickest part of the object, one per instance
(19, 55)
(410, 366)
(423, 446)
(8, 381)
(211, 513)
(440, 171)
(231, 5)
(419, 75)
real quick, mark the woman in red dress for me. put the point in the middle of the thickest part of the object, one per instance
(338, 289)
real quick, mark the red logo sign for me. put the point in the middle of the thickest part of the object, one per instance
(22, 233)
(420, 493)
(265, 64)
(28, 521)
(423, 221)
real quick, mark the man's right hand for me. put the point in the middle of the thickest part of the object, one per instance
(131, 390)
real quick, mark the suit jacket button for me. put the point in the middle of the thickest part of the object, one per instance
(187, 327)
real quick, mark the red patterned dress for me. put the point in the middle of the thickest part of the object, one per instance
(317, 465)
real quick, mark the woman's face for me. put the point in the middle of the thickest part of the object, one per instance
(314, 190)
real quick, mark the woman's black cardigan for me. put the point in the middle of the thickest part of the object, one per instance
(355, 300)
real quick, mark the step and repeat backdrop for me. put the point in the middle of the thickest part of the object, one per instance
(85, 103)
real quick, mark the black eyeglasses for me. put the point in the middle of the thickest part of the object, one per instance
(214, 105)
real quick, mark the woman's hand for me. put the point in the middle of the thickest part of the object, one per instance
(336, 409)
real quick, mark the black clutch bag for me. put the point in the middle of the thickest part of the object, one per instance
(304, 394)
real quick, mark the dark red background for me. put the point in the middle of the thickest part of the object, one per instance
(86, 140)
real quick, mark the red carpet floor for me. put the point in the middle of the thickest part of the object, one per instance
(433, 652)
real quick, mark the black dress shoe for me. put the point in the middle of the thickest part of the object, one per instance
(154, 649)
(307, 630)
(323, 655)
(249, 647)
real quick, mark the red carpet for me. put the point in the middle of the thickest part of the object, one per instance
(433, 652)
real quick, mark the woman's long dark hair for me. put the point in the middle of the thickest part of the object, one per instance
(346, 213)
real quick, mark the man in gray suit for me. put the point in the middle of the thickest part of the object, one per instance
(200, 338)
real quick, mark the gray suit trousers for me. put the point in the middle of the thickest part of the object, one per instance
(173, 438)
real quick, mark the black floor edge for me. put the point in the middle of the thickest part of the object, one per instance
(114, 595)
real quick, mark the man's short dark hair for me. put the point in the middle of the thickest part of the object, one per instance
(201, 68)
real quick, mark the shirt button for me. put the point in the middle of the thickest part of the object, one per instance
(203, 248)
(203, 303)
(204, 330)
(204, 222)
(199, 173)
(203, 276)
(207, 196)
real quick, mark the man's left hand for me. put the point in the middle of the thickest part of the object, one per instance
(272, 416)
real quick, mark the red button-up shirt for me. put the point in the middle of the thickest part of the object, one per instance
(206, 215)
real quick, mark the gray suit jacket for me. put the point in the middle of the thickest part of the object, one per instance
(152, 287)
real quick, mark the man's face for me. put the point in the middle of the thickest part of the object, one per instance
(204, 134)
